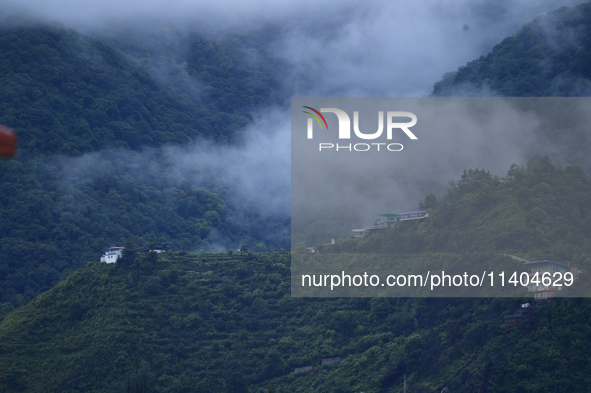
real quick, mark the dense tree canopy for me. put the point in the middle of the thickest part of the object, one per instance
(225, 322)
(67, 94)
(547, 57)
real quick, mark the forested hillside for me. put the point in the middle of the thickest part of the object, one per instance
(66, 94)
(183, 322)
(226, 322)
(549, 57)
(538, 211)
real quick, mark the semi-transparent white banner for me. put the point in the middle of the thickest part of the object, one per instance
(420, 197)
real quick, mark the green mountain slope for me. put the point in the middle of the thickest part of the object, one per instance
(550, 56)
(226, 322)
(67, 94)
(539, 211)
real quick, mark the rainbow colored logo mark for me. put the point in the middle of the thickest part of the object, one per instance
(315, 117)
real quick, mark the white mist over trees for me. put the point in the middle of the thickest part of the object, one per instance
(152, 57)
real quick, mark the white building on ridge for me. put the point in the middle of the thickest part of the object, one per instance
(112, 254)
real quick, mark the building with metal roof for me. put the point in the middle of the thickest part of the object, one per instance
(385, 220)
(555, 273)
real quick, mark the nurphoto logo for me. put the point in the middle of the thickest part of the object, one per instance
(344, 129)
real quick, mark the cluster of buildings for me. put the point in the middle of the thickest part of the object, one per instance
(113, 254)
(386, 220)
(546, 279)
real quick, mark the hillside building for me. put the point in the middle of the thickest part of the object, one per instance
(112, 254)
(536, 271)
(418, 215)
(386, 220)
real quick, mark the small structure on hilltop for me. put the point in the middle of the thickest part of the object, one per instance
(112, 254)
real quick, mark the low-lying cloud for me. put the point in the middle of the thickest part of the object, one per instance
(344, 48)
(255, 173)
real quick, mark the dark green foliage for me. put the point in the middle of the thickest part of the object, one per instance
(240, 72)
(14, 381)
(547, 57)
(100, 330)
(550, 56)
(183, 322)
(51, 222)
(65, 93)
(130, 256)
(226, 322)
